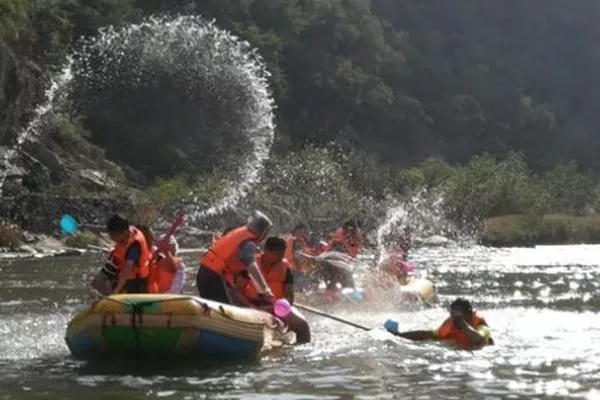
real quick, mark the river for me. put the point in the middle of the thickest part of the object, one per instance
(541, 303)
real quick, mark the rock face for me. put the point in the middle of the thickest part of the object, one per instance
(41, 214)
(19, 92)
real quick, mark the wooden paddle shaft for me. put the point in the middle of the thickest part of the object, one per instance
(333, 317)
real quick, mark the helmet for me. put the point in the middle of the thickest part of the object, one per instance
(260, 224)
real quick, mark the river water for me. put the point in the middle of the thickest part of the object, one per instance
(541, 303)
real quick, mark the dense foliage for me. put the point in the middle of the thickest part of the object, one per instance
(405, 79)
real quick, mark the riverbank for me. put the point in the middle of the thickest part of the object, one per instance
(503, 231)
(531, 230)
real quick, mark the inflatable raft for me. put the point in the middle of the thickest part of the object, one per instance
(416, 290)
(162, 326)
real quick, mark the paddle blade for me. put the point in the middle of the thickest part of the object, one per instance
(163, 243)
(391, 326)
(69, 225)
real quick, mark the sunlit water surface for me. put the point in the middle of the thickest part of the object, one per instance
(541, 303)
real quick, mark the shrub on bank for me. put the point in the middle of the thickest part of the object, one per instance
(83, 239)
(10, 235)
(527, 230)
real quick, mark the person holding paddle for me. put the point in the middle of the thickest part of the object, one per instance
(131, 255)
(167, 270)
(126, 269)
(463, 328)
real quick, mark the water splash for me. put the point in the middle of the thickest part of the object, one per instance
(169, 77)
(424, 213)
(40, 118)
(221, 80)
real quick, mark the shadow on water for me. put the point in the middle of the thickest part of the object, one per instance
(171, 368)
(64, 377)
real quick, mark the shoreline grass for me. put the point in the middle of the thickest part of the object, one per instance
(530, 230)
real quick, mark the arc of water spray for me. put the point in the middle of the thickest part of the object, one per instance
(40, 114)
(160, 33)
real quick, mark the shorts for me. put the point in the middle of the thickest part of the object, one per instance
(212, 286)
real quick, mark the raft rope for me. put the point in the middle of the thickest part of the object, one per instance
(138, 310)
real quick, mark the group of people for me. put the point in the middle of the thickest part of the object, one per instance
(237, 270)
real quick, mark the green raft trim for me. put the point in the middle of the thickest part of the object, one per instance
(157, 341)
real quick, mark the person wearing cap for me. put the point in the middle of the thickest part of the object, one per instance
(167, 271)
(231, 255)
(463, 328)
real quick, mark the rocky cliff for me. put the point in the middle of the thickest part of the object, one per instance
(19, 92)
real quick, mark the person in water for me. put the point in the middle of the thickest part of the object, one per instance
(230, 255)
(347, 239)
(167, 271)
(130, 256)
(463, 327)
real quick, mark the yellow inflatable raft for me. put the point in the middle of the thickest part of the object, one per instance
(159, 326)
(418, 289)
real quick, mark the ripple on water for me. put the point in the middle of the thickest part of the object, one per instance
(544, 318)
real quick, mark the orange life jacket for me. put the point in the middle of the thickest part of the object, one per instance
(290, 256)
(222, 255)
(120, 251)
(162, 274)
(448, 331)
(274, 276)
(351, 244)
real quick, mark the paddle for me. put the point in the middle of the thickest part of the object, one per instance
(164, 242)
(392, 326)
(333, 317)
(69, 225)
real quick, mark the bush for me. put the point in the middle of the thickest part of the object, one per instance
(82, 240)
(10, 235)
(514, 230)
(309, 185)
